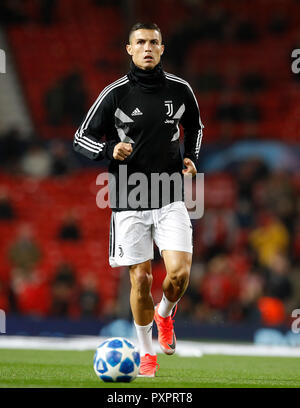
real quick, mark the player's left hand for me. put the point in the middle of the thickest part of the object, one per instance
(190, 167)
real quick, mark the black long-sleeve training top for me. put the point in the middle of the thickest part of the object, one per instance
(144, 108)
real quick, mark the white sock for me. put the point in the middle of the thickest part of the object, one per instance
(144, 335)
(165, 307)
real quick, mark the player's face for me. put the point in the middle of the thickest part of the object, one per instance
(145, 48)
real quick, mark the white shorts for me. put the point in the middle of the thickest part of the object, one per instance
(132, 233)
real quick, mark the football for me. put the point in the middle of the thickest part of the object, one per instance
(117, 360)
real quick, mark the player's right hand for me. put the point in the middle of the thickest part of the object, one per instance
(122, 151)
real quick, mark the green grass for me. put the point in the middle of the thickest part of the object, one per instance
(74, 369)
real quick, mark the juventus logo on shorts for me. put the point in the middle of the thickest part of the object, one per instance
(169, 105)
(121, 253)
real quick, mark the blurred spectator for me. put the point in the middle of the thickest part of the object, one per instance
(66, 101)
(281, 198)
(13, 145)
(54, 104)
(7, 211)
(248, 173)
(64, 301)
(24, 253)
(268, 238)
(62, 161)
(244, 213)
(89, 299)
(75, 97)
(215, 233)
(70, 229)
(36, 162)
(277, 281)
(251, 289)
(219, 287)
(30, 294)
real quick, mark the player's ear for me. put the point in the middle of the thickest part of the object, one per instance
(162, 47)
(129, 49)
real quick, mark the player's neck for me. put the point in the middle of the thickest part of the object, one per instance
(149, 80)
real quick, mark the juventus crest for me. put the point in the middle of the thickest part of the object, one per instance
(169, 105)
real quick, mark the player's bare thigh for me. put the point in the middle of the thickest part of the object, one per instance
(175, 260)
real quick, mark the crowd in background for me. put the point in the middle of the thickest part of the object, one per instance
(26, 290)
(27, 154)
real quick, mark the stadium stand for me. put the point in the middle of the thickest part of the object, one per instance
(80, 38)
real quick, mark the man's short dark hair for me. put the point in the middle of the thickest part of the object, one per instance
(144, 26)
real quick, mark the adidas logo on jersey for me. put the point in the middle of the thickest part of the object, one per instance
(136, 112)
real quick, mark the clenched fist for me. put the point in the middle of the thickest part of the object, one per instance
(122, 151)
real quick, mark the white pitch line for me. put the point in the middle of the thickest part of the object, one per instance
(184, 348)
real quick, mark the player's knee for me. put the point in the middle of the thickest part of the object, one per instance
(180, 277)
(141, 279)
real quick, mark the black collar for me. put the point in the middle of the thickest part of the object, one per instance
(149, 80)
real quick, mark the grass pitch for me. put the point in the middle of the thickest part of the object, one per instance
(74, 369)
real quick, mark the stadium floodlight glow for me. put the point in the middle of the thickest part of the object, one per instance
(2, 62)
